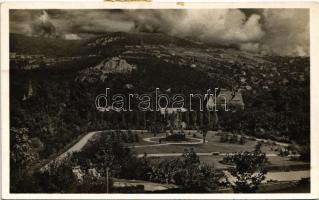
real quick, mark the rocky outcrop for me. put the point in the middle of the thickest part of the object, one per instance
(101, 71)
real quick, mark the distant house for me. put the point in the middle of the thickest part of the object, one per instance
(193, 66)
(233, 100)
(172, 110)
(93, 172)
(13, 55)
(243, 79)
(29, 93)
(248, 87)
(78, 173)
(128, 86)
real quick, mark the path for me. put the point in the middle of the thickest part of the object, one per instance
(199, 154)
(199, 141)
(278, 176)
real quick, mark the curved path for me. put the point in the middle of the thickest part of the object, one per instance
(199, 141)
(201, 154)
(75, 148)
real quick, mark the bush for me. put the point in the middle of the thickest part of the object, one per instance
(242, 140)
(175, 137)
(305, 153)
(249, 170)
(137, 137)
(233, 139)
(224, 138)
(186, 171)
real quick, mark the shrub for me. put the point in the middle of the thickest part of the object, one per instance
(249, 171)
(175, 137)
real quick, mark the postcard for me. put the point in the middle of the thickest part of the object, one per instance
(159, 100)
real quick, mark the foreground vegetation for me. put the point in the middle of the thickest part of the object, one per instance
(104, 159)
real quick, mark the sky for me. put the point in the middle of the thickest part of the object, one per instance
(267, 31)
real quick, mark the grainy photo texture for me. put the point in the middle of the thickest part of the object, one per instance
(159, 101)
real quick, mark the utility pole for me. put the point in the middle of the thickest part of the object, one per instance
(107, 180)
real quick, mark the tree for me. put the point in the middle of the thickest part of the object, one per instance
(249, 171)
(258, 146)
(193, 175)
(233, 139)
(242, 140)
(305, 153)
(185, 171)
(190, 157)
(93, 184)
(224, 138)
(206, 179)
(204, 132)
(58, 178)
(136, 137)
(22, 157)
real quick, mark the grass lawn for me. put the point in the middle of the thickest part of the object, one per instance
(213, 145)
(210, 160)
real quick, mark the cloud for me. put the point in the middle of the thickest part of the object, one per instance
(287, 32)
(42, 26)
(226, 27)
(269, 31)
(71, 36)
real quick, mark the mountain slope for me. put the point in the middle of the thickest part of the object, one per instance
(22, 44)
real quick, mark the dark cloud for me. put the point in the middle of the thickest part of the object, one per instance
(271, 31)
(43, 26)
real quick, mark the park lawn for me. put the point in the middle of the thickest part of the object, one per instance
(213, 145)
(198, 148)
(280, 162)
(210, 146)
(210, 160)
(213, 161)
(284, 164)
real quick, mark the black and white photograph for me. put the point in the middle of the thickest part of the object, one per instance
(159, 101)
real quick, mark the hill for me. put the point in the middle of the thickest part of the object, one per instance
(22, 44)
(61, 105)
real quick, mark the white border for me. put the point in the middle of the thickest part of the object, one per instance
(314, 18)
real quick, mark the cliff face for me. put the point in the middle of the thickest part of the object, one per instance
(101, 71)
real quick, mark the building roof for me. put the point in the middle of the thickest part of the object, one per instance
(172, 110)
(231, 98)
